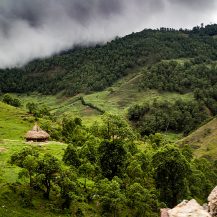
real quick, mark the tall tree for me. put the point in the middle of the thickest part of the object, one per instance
(28, 160)
(171, 172)
(48, 168)
(112, 158)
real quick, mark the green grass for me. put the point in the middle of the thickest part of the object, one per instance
(172, 137)
(116, 99)
(204, 140)
(10, 205)
(62, 106)
(14, 122)
(8, 172)
(126, 93)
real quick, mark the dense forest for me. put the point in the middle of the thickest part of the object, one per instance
(197, 76)
(104, 172)
(165, 116)
(95, 68)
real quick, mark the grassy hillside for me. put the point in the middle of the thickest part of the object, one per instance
(9, 202)
(127, 92)
(204, 140)
(165, 82)
(14, 122)
(115, 99)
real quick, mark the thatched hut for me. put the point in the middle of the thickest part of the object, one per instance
(37, 135)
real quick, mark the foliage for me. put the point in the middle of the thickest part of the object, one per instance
(110, 196)
(194, 76)
(71, 157)
(73, 132)
(67, 181)
(171, 170)
(48, 167)
(26, 159)
(10, 100)
(180, 116)
(112, 158)
(95, 68)
(114, 177)
(38, 111)
(116, 128)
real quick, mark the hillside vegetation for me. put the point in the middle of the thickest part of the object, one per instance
(114, 113)
(172, 62)
(13, 122)
(204, 140)
(93, 69)
(130, 182)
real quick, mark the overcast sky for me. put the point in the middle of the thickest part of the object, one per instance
(32, 29)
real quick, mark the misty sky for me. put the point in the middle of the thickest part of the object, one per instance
(32, 29)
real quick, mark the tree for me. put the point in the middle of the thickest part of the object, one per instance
(115, 128)
(71, 157)
(48, 168)
(111, 198)
(202, 179)
(28, 160)
(67, 181)
(89, 150)
(171, 172)
(8, 99)
(112, 158)
(73, 132)
(86, 169)
(140, 200)
(32, 107)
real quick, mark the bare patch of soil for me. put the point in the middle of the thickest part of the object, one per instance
(2, 150)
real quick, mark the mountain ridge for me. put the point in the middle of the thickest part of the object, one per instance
(84, 70)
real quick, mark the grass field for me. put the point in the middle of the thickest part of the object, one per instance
(116, 99)
(10, 204)
(14, 122)
(8, 147)
(204, 140)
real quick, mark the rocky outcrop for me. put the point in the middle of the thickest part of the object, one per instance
(164, 212)
(186, 209)
(212, 202)
(193, 209)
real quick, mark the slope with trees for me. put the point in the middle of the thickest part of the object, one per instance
(93, 69)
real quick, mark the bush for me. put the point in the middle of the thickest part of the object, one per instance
(8, 99)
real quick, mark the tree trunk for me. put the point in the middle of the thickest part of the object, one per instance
(47, 193)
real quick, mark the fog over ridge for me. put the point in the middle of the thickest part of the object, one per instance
(41, 28)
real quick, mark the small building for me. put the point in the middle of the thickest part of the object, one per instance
(37, 135)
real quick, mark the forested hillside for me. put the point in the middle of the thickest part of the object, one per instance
(95, 68)
(101, 170)
(138, 96)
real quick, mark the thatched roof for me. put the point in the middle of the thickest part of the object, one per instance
(37, 133)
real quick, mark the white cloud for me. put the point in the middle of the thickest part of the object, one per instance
(40, 28)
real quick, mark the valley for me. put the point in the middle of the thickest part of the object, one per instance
(121, 117)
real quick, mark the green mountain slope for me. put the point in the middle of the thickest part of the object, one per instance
(13, 122)
(93, 69)
(204, 140)
(160, 81)
(116, 99)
